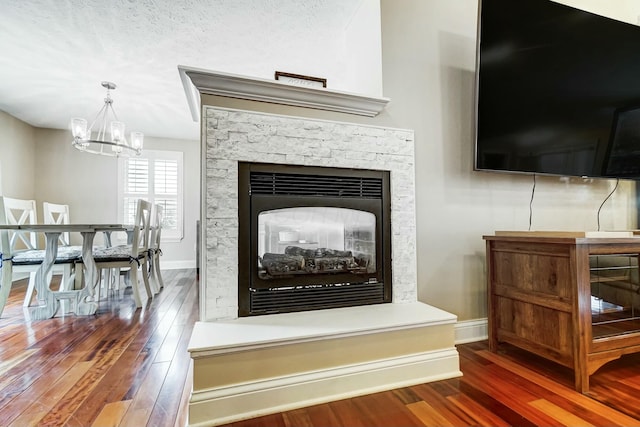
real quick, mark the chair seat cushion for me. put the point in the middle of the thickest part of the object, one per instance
(113, 253)
(66, 254)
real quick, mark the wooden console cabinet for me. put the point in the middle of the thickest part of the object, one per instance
(572, 299)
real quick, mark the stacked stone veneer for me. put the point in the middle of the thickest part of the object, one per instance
(233, 136)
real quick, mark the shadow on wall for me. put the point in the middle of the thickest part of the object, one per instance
(457, 103)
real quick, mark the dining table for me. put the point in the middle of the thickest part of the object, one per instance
(83, 296)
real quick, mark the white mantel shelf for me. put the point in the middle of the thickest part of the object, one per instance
(198, 81)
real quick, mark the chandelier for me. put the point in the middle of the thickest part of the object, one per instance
(94, 139)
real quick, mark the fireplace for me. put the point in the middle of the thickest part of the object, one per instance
(313, 355)
(312, 238)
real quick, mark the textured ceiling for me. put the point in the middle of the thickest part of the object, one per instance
(55, 53)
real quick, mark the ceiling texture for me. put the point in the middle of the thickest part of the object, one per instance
(55, 53)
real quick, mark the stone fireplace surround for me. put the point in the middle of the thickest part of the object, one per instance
(234, 136)
(246, 367)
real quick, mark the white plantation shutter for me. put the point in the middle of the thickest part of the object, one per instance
(166, 191)
(155, 176)
(137, 172)
(166, 176)
(136, 186)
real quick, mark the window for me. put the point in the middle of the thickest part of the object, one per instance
(155, 176)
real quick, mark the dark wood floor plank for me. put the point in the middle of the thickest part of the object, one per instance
(561, 416)
(496, 383)
(385, 409)
(297, 418)
(272, 420)
(436, 395)
(322, 415)
(499, 409)
(620, 396)
(481, 415)
(348, 414)
(406, 395)
(143, 401)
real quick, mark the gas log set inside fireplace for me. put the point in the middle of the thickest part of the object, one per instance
(296, 260)
(312, 238)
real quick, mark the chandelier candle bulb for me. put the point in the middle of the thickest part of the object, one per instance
(117, 131)
(137, 139)
(78, 127)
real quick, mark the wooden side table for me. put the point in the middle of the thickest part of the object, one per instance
(540, 298)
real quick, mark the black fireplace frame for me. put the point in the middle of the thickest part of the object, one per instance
(257, 296)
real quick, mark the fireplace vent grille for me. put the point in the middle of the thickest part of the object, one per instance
(303, 298)
(285, 184)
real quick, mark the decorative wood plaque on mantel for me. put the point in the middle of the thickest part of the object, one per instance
(300, 80)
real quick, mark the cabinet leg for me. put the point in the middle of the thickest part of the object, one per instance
(493, 344)
(582, 380)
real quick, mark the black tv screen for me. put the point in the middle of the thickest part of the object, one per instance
(558, 91)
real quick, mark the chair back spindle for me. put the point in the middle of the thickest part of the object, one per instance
(57, 214)
(18, 212)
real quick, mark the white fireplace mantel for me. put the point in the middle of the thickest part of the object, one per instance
(197, 81)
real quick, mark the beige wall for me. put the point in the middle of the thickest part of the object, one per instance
(363, 70)
(429, 50)
(17, 164)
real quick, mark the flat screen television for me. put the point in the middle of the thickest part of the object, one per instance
(557, 91)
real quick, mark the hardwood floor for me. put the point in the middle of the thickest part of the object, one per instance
(121, 367)
(127, 367)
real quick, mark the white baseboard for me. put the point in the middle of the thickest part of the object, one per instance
(177, 265)
(471, 331)
(242, 401)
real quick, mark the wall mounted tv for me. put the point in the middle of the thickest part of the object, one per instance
(558, 91)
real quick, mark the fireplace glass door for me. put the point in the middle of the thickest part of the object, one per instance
(312, 238)
(315, 241)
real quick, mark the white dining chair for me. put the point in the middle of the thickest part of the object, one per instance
(16, 212)
(58, 214)
(54, 213)
(133, 256)
(20, 253)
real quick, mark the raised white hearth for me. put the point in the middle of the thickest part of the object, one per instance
(244, 367)
(253, 366)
